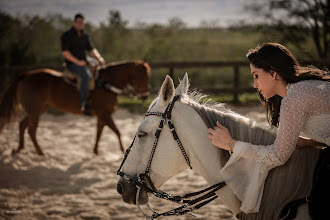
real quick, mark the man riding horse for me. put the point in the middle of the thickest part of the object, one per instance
(74, 43)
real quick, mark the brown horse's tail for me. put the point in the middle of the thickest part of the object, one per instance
(8, 102)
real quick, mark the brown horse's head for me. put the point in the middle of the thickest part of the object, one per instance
(139, 79)
(133, 73)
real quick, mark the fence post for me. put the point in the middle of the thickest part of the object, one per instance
(171, 72)
(236, 84)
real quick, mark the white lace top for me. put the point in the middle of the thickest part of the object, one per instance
(304, 111)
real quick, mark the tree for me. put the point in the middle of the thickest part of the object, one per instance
(296, 19)
(176, 23)
(113, 37)
(116, 20)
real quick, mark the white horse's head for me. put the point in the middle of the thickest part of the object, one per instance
(168, 158)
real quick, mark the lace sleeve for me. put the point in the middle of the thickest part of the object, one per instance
(251, 163)
(293, 115)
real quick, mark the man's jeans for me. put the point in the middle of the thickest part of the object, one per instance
(85, 75)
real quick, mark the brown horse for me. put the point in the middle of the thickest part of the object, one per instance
(36, 91)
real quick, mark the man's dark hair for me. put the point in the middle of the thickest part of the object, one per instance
(79, 15)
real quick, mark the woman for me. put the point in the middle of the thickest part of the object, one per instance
(297, 100)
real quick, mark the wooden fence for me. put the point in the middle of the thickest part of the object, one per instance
(235, 90)
(238, 87)
(235, 65)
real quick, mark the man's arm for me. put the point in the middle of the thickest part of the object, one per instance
(94, 53)
(68, 55)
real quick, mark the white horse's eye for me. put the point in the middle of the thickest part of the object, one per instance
(142, 134)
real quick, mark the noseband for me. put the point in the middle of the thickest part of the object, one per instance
(144, 178)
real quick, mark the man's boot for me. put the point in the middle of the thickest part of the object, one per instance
(86, 108)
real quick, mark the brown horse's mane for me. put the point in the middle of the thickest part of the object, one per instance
(45, 70)
(125, 62)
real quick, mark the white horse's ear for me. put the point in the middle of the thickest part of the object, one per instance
(183, 86)
(166, 91)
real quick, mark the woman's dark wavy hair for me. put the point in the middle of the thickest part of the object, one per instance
(276, 57)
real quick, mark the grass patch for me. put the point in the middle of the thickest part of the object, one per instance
(141, 107)
(244, 99)
(135, 105)
(55, 111)
(249, 99)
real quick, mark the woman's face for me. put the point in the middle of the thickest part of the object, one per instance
(263, 81)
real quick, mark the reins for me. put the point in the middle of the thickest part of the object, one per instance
(144, 178)
(103, 84)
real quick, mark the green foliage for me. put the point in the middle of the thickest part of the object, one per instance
(28, 40)
(297, 22)
(34, 40)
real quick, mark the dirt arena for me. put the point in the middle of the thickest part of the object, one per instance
(70, 182)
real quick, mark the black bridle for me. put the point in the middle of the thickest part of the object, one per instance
(143, 179)
(128, 91)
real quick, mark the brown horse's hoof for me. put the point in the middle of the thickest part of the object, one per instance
(96, 152)
(13, 152)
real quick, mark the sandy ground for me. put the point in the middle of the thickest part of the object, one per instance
(72, 183)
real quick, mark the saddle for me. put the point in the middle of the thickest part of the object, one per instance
(75, 80)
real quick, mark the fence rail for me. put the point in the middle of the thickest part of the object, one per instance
(235, 90)
(236, 65)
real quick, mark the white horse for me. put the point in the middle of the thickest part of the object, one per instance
(191, 119)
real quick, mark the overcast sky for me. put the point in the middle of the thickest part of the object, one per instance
(192, 12)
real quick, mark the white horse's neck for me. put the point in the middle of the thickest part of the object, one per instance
(204, 157)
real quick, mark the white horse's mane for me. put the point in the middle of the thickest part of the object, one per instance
(240, 127)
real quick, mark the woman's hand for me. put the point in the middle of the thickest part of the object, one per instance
(220, 137)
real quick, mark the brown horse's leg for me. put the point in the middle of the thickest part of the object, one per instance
(33, 124)
(22, 126)
(112, 125)
(100, 126)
